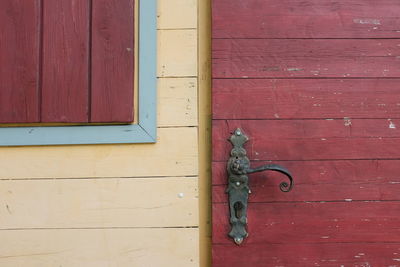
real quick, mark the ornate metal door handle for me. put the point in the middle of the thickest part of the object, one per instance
(238, 184)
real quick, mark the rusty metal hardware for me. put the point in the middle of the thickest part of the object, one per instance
(238, 184)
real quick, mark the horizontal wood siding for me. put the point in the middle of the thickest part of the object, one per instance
(306, 58)
(306, 19)
(306, 98)
(322, 254)
(99, 247)
(314, 84)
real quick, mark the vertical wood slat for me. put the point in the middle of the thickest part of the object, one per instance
(112, 61)
(65, 86)
(19, 37)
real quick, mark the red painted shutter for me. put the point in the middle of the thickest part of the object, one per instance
(112, 60)
(66, 61)
(19, 60)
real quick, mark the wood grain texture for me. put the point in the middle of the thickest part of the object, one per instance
(174, 154)
(311, 139)
(314, 222)
(306, 19)
(313, 84)
(65, 61)
(19, 31)
(305, 98)
(355, 180)
(99, 247)
(112, 61)
(177, 102)
(312, 58)
(177, 53)
(318, 173)
(315, 254)
(267, 190)
(167, 17)
(94, 203)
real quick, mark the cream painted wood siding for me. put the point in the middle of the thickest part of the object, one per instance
(114, 205)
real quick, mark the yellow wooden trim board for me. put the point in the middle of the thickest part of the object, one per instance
(97, 203)
(174, 154)
(99, 248)
(204, 94)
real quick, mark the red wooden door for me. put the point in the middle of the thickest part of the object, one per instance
(315, 84)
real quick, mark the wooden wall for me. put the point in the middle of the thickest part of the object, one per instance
(114, 205)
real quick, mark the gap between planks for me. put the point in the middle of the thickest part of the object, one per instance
(312, 201)
(100, 178)
(98, 228)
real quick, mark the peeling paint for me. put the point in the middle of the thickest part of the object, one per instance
(367, 21)
(294, 69)
(391, 124)
(347, 121)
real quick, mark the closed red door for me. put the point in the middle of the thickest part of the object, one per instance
(315, 85)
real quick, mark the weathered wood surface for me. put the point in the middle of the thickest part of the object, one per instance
(113, 61)
(305, 98)
(177, 53)
(311, 139)
(306, 19)
(311, 254)
(91, 203)
(65, 77)
(268, 191)
(346, 180)
(177, 102)
(311, 58)
(319, 173)
(314, 222)
(314, 85)
(99, 247)
(167, 18)
(174, 154)
(19, 86)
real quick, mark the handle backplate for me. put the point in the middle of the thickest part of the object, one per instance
(238, 184)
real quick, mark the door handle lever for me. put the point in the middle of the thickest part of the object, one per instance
(238, 184)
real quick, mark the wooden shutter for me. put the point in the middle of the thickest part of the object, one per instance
(66, 61)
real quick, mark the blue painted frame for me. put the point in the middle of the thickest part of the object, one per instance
(145, 131)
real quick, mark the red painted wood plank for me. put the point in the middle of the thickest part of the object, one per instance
(306, 19)
(311, 139)
(260, 58)
(313, 222)
(325, 192)
(305, 98)
(320, 181)
(65, 61)
(318, 173)
(19, 60)
(269, 191)
(112, 61)
(306, 255)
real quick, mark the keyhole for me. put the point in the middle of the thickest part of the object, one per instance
(238, 206)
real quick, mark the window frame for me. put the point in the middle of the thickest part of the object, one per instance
(145, 131)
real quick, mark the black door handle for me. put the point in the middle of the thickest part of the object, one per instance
(238, 184)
